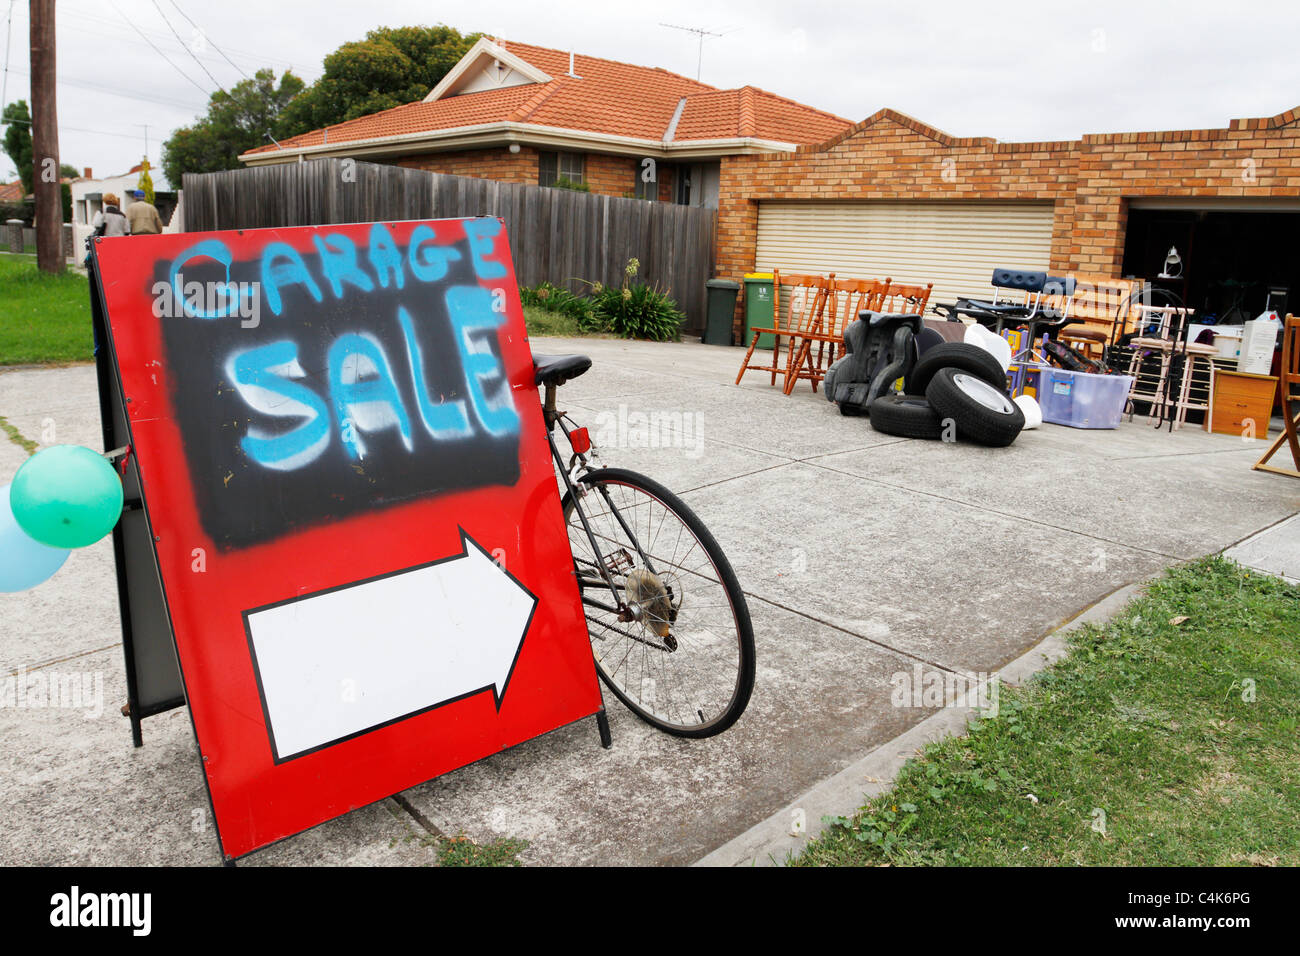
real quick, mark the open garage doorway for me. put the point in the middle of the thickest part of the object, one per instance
(1233, 255)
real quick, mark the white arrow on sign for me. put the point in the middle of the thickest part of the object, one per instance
(342, 662)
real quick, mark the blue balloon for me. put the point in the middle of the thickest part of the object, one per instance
(24, 563)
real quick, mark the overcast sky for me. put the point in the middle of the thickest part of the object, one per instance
(1011, 70)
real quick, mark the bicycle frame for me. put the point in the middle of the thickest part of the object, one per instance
(571, 473)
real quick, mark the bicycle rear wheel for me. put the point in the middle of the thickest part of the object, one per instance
(686, 663)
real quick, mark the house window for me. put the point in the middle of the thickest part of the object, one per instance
(683, 192)
(552, 166)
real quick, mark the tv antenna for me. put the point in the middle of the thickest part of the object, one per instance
(702, 34)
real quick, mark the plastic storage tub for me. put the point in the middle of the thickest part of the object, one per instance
(1082, 399)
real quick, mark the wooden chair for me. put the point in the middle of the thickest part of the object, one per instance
(846, 298)
(804, 304)
(1100, 311)
(906, 299)
(1289, 385)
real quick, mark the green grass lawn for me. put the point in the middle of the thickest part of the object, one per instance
(1156, 741)
(43, 319)
(546, 322)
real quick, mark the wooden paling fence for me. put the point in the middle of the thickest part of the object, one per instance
(556, 235)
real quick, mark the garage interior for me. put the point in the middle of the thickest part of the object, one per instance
(1233, 258)
(1237, 259)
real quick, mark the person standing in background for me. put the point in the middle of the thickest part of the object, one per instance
(109, 221)
(143, 216)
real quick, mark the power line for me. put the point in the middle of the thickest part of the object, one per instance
(4, 85)
(79, 24)
(100, 132)
(131, 23)
(205, 37)
(187, 47)
(80, 129)
(246, 54)
(120, 91)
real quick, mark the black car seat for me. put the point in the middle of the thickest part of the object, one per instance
(880, 348)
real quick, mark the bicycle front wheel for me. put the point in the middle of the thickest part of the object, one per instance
(683, 659)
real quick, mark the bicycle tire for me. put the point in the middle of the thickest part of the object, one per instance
(691, 644)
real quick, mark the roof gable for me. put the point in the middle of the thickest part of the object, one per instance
(486, 66)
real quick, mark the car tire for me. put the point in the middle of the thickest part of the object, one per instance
(981, 413)
(907, 416)
(958, 355)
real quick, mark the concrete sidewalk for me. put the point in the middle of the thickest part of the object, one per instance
(862, 555)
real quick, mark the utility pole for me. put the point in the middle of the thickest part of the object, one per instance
(45, 140)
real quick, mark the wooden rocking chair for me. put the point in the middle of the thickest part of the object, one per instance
(1290, 388)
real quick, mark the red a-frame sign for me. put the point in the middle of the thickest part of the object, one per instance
(345, 473)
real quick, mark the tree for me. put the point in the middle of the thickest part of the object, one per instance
(146, 181)
(18, 140)
(235, 123)
(67, 171)
(390, 67)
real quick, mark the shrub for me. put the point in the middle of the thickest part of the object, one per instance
(640, 311)
(556, 298)
(564, 182)
(23, 209)
(634, 310)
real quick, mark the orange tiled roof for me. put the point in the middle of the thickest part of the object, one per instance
(606, 97)
(11, 192)
(750, 111)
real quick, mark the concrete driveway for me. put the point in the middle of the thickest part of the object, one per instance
(862, 555)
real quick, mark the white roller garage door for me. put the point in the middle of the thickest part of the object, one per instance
(955, 245)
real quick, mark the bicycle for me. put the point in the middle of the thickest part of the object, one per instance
(669, 626)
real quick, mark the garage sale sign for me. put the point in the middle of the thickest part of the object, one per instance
(353, 507)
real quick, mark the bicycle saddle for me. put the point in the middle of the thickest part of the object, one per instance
(558, 369)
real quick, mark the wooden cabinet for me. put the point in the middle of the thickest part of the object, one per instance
(1241, 401)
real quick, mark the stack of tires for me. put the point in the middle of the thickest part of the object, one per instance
(955, 391)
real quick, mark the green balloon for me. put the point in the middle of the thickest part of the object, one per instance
(66, 496)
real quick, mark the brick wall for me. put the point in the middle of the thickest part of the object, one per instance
(611, 175)
(500, 163)
(607, 175)
(666, 175)
(890, 156)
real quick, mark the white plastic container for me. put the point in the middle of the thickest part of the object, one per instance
(1227, 339)
(1082, 399)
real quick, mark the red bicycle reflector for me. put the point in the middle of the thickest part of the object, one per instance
(580, 441)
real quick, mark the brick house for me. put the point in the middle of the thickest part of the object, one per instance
(893, 196)
(527, 114)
